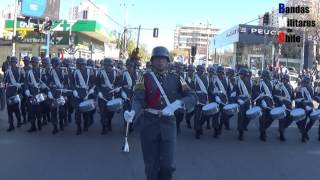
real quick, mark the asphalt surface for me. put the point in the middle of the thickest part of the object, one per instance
(91, 156)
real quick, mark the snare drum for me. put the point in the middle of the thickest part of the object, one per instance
(254, 112)
(231, 109)
(115, 104)
(87, 105)
(13, 100)
(278, 113)
(298, 114)
(210, 109)
(315, 115)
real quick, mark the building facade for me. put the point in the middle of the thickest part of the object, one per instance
(69, 39)
(257, 47)
(195, 34)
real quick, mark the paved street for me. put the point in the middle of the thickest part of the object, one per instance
(42, 156)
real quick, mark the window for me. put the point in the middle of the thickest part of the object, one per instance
(85, 14)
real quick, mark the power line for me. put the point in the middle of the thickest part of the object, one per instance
(112, 19)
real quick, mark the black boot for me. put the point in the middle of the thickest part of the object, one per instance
(104, 130)
(24, 121)
(61, 125)
(32, 128)
(39, 125)
(55, 129)
(216, 133)
(208, 124)
(307, 136)
(131, 128)
(240, 136)
(11, 127)
(178, 129)
(197, 135)
(263, 136)
(19, 123)
(109, 126)
(282, 137)
(303, 138)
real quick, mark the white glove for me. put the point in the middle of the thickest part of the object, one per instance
(116, 90)
(27, 92)
(129, 115)
(233, 94)
(240, 101)
(100, 95)
(124, 95)
(176, 104)
(75, 93)
(168, 111)
(218, 100)
(91, 91)
(264, 104)
(50, 95)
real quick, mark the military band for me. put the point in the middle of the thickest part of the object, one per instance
(52, 91)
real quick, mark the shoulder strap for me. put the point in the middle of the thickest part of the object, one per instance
(160, 88)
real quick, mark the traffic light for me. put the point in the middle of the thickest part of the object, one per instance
(155, 32)
(47, 25)
(193, 50)
(266, 18)
(36, 28)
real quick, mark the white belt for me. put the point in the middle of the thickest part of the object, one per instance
(154, 111)
(200, 92)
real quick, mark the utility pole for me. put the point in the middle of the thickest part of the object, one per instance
(14, 34)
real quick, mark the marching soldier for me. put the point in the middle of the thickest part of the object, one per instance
(24, 100)
(201, 84)
(32, 84)
(179, 114)
(12, 81)
(160, 93)
(109, 83)
(244, 93)
(284, 95)
(82, 88)
(189, 79)
(305, 96)
(6, 64)
(266, 103)
(129, 78)
(56, 83)
(94, 74)
(219, 89)
(45, 105)
(69, 79)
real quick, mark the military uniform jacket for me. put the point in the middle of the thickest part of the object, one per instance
(201, 86)
(286, 90)
(56, 80)
(128, 82)
(12, 76)
(32, 81)
(221, 90)
(148, 95)
(24, 72)
(107, 81)
(267, 88)
(83, 82)
(307, 94)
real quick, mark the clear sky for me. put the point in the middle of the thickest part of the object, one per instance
(166, 14)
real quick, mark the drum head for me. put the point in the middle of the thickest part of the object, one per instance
(231, 106)
(278, 113)
(298, 114)
(210, 106)
(315, 115)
